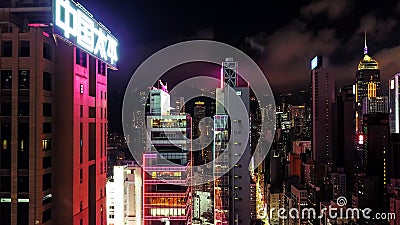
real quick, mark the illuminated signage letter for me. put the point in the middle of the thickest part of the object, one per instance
(101, 43)
(112, 49)
(65, 17)
(85, 36)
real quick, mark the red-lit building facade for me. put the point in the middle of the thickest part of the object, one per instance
(53, 120)
(167, 192)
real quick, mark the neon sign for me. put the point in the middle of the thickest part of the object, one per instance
(78, 26)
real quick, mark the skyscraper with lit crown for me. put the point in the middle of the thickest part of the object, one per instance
(367, 83)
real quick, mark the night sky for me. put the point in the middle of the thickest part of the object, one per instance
(281, 36)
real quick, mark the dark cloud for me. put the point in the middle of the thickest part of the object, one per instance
(332, 8)
(377, 29)
(287, 52)
(284, 55)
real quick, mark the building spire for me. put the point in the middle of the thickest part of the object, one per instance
(365, 43)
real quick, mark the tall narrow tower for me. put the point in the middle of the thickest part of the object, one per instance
(323, 96)
(232, 192)
(167, 174)
(367, 83)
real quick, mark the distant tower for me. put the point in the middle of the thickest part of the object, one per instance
(230, 71)
(367, 83)
(232, 190)
(323, 97)
(394, 105)
(170, 136)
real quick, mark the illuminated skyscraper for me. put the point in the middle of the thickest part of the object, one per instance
(323, 97)
(54, 116)
(367, 83)
(394, 104)
(167, 188)
(232, 190)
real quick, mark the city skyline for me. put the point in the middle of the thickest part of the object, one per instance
(199, 113)
(332, 29)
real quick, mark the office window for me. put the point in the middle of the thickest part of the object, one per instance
(23, 109)
(81, 111)
(92, 112)
(5, 151)
(6, 48)
(24, 50)
(46, 128)
(6, 79)
(92, 77)
(46, 144)
(46, 216)
(23, 79)
(5, 109)
(47, 109)
(92, 141)
(5, 183)
(23, 146)
(46, 181)
(101, 139)
(81, 57)
(101, 68)
(23, 184)
(81, 143)
(47, 199)
(47, 81)
(47, 51)
(46, 162)
(81, 176)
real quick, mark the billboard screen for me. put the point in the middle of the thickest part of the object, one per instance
(316, 62)
(74, 23)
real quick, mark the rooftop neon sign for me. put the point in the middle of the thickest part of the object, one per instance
(78, 26)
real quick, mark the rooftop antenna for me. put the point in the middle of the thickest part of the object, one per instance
(365, 43)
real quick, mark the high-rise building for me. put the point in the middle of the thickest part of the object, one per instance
(376, 152)
(367, 84)
(343, 145)
(338, 180)
(298, 117)
(323, 97)
(202, 205)
(53, 115)
(124, 195)
(232, 190)
(167, 176)
(394, 104)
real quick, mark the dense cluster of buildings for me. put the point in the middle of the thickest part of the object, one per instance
(350, 153)
(57, 168)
